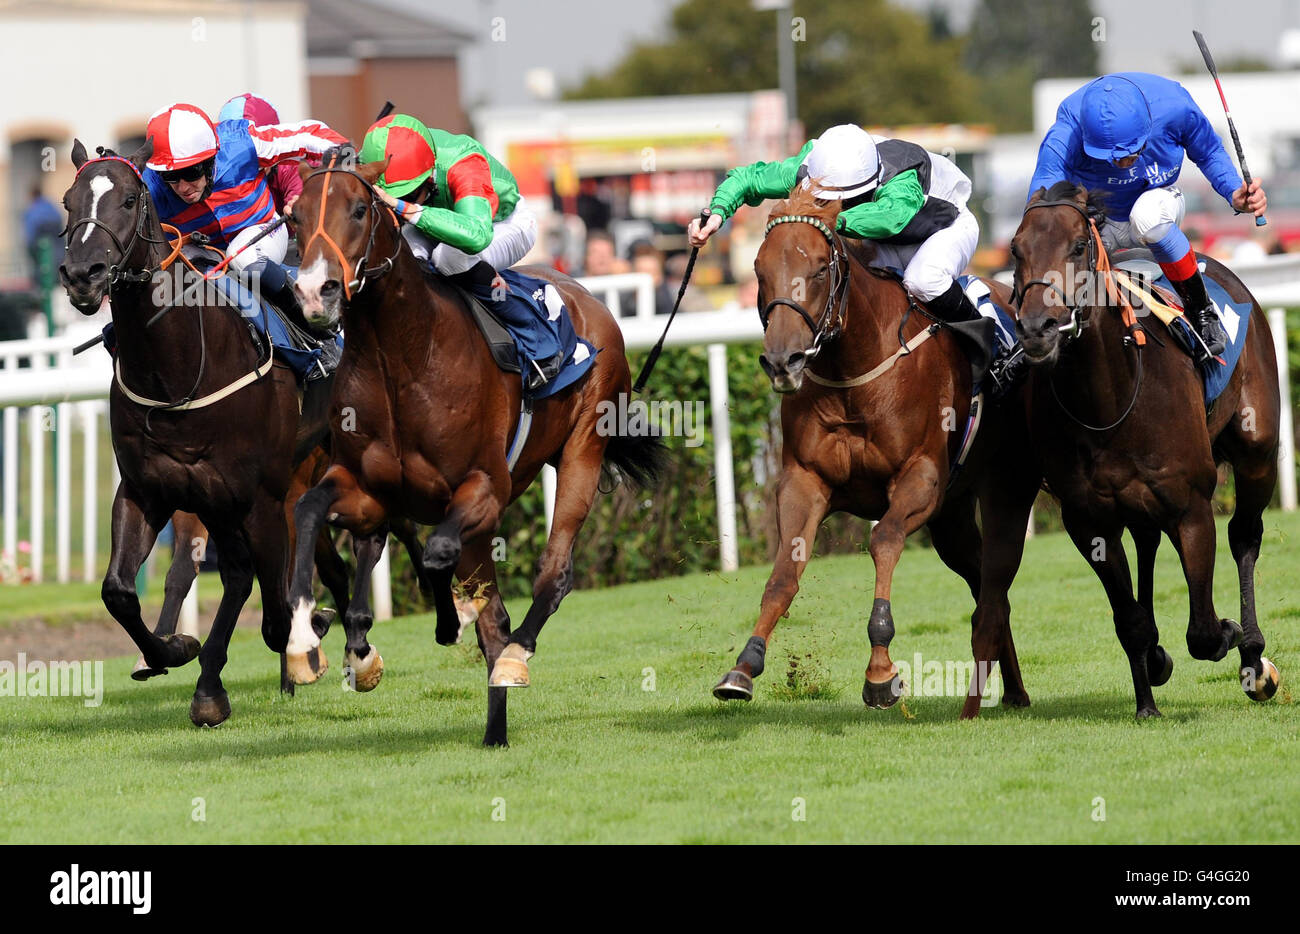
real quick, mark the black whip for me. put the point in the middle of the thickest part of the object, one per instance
(651, 360)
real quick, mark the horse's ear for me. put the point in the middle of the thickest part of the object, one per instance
(372, 170)
(1038, 195)
(304, 169)
(141, 155)
(79, 157)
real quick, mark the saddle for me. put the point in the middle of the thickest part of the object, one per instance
(498, 338)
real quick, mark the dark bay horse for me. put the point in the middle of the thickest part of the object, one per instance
(202, 421)
(871, 427)
(421, 419)
(1125, 442)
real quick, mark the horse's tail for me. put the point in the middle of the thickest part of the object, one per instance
(641, 458)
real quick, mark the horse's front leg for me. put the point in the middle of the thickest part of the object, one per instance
(339, 499)
(191, 539)
(914, 498)
(134, 531)
(365, 664)
(802, 499)
(474, 510)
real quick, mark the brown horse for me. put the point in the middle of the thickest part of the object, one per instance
(872, 427)
(1120, 425)
(202, 421)
(421, 420)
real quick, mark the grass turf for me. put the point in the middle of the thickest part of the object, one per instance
(597, 757)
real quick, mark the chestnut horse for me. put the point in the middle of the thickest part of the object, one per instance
(421, 420)
(202, 421)
(871, 427)
(1125, 442)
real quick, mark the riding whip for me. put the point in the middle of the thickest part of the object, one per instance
(1241, 157)
(658, 348)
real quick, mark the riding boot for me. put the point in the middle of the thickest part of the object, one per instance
(1007, 370)
(953, 306)
(1199, 311)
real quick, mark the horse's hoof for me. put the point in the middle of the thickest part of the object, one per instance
(363, 674)
(1160, 666)
(183, 649)
(307, 667)
(1263, 687)
(321, 620)
(511, 668)
(735, 685)
(142, 671)
(1015, 700)
(210, 711)
(883, 694)
(1145, 713)
(1232, 636)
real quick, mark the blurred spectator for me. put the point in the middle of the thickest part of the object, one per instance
(647, 259)
(43, 221)
(601, 259)
(674, 270)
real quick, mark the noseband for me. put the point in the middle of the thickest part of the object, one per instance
(360, 272)
(832, 319)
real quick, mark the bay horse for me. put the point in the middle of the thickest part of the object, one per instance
(1119, 422)
(202, 420)
(421, 419)
(876, 395)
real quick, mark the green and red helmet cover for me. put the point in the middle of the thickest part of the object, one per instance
(408, 146)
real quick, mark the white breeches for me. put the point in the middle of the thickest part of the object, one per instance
(930, 267)
(512, 238)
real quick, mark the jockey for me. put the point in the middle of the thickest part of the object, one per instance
(912, 203)
(1126, 134)
(462, 206)
(283, 179)
(211, 180)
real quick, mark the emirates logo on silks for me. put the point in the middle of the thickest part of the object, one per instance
(1153, 171)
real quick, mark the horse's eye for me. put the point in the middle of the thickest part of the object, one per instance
(1079, 247)
(1015, 252)
(821, 273)
(358, 212)
(129, 201)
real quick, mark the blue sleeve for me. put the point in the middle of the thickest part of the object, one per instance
(1054, 156)
(1206, 150)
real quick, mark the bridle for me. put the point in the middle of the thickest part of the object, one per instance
(1075, 326)
(361, 271)
(1098, 265)
(831, 323)
(118, 272)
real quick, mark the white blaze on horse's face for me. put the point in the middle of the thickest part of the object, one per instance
(100, 185)
(310, 280)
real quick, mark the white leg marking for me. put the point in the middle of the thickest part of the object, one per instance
(302, 638)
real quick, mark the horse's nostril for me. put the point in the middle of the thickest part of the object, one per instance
(96, 271)
(795, 360)
(330, 288)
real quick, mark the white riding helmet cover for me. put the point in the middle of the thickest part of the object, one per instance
(844, 161)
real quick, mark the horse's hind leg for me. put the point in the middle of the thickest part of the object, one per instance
(134, 532)
(915, 494)
(1255, 481)
(1104, 551)
(474, 510)
(492, 626)
(190, 540)
(1193, 534)
(802, 500)
(365, 664)
(1160, 664)
(576, 480)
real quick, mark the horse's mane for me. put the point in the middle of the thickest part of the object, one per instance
(1095, 200)
(803, 203)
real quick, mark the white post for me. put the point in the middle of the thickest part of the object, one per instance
(36, 486)
(548, 496)
(724, 476)
(381, 587)
(1286, 434)
(189, 618)
(63, 492)
(11, 483)
(89, 492)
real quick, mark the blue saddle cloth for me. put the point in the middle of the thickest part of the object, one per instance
(533, 312)
(1235, 317)
(262, 318)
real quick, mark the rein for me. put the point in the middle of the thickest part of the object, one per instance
(1098, 265)
(361, 271)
